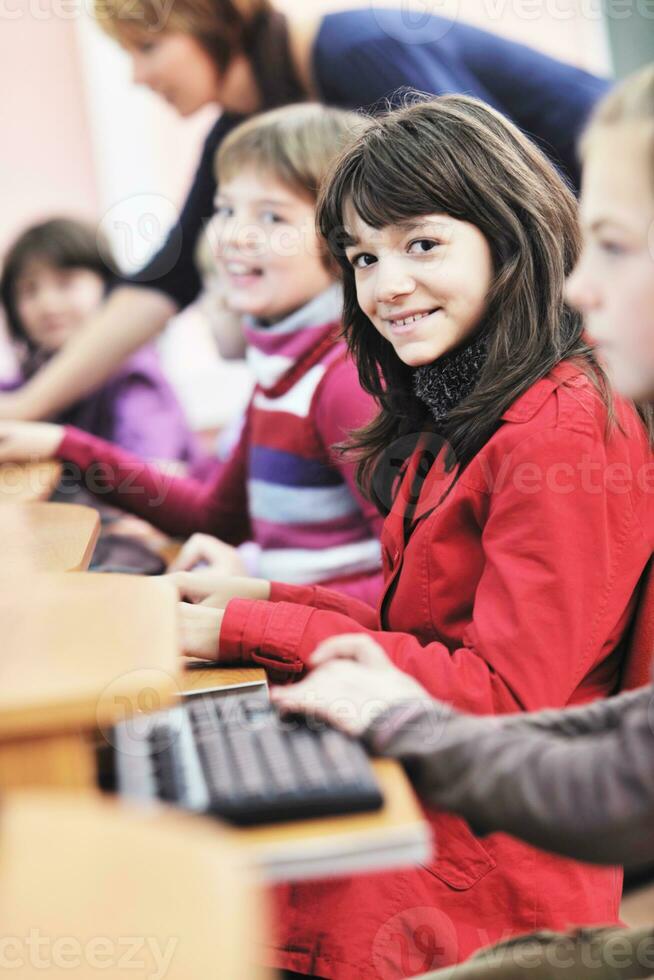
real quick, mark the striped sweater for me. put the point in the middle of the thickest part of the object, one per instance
(282, 487)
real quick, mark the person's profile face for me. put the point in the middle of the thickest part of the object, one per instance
(613, 282)
(175, 66)
(423, 284)
(53, 303)
(266, 247)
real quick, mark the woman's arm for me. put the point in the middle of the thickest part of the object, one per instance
(550, 100)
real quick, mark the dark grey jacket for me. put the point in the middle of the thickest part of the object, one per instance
(579, 782)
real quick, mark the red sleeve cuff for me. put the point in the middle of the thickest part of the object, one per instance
(283, 592)
(77, 447)
(267, 634)
(319, 597)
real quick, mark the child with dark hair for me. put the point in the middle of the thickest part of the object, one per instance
(54, 276)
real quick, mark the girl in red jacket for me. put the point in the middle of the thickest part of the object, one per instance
(517, 514)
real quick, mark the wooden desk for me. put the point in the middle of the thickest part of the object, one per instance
(103, 889)
(197, 679)
(395, 836)
(80, 652)
(45, 537)
(25, 482)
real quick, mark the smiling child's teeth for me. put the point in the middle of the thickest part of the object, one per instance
(410, 319)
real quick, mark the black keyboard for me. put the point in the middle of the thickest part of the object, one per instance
(234, 757)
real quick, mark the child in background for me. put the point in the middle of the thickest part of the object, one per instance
(512, 553)
(283, 487)
(54, 276)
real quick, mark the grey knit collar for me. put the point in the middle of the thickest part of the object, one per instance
(443, 384)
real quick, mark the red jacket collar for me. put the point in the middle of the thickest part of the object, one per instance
(526, 406)
(438, 481)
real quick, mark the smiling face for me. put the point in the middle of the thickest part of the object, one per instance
(53, 303)
(175, 66)
(613, 283)
(422, 284)
(266, 248)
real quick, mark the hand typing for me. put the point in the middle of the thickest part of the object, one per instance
(353, 682)
(218, 556)
(214, 589)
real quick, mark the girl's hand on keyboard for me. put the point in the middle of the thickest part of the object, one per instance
(352, 646)
(23, 442)
(214, 589)
(354, 683)
(199, 630)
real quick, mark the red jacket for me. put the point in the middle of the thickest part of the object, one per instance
(511, 594)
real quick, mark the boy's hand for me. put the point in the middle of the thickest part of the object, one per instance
(23, 442)
(215, 590)
(209, 551)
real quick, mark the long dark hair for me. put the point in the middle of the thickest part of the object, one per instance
(455, 155)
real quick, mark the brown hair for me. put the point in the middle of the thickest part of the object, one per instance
(295, 143)
(630, 101)
(221, 26)
(457, 156)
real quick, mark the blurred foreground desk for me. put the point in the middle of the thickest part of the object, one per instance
(91, 887)
(80, 652)
(395, 836)
(25, 482)
(45, 537)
